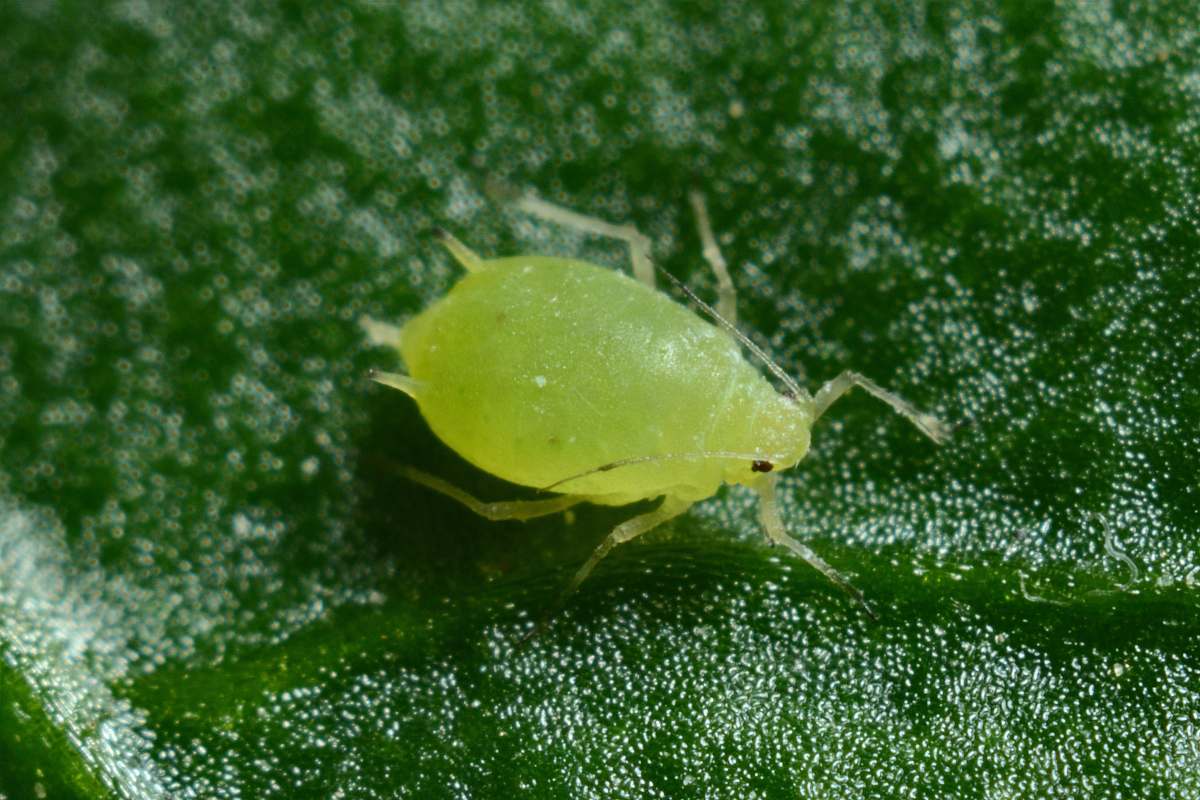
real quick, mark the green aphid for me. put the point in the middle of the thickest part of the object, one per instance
(593, 386)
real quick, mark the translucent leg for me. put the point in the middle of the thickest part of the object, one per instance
(510, 509)
(639, 245)
(772, 522)
(726, 293)
(462, 254)
(380, 334)
(629, 529)
(670, 508)
(929, 425)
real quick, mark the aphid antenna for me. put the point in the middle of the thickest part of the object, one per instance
(753, 458)
(794, 390)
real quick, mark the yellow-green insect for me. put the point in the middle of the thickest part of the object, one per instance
(589, 384)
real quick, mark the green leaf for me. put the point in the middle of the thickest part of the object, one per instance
(214, 583)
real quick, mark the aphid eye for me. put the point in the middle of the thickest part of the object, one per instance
(762, 466)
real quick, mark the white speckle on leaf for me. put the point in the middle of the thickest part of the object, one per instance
(540, 380)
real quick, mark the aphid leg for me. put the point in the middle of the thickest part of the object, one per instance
(507, 510)
(410, 386)
(670, 508)
(462, 254)
(639, 245)
(380, 334)
(726, 293)
(772, 523)
(929, 425)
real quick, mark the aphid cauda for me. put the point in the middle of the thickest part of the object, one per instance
(594, 386)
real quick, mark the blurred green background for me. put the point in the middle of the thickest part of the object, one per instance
(214, 584)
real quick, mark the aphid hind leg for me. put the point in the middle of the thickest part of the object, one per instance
(726, 292)
(929, 425)
(639, 244)
(380, 334)
(520, 510)
(772, 523)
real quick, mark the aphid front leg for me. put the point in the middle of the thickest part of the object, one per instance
(639, 245)
(520, 510)
(670, 508)
(929, 425)
(772, 523)
(726, 293)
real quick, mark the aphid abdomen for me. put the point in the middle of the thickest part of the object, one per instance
(537, 369)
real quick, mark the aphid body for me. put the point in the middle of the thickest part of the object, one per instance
(565, 376)
(537, 369)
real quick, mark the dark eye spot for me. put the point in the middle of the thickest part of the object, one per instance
(762, 466)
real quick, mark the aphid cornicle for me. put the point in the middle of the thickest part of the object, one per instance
(594, 386)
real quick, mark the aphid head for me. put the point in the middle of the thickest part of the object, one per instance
(783, 428)
(780, 433)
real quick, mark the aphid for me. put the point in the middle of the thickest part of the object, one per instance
(591, 385)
